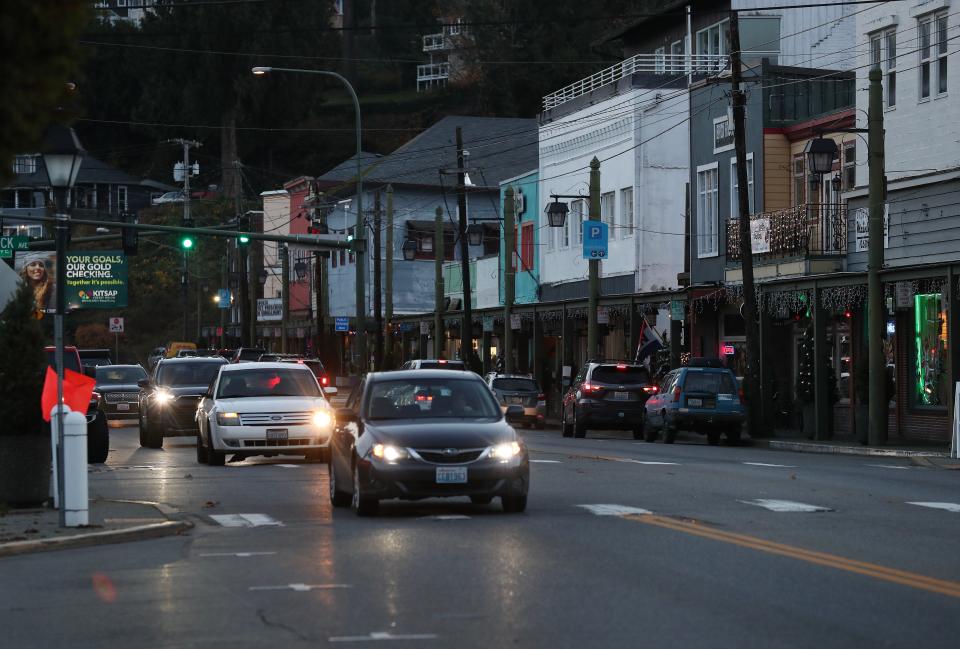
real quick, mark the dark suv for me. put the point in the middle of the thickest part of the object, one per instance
(606, 395)
(169, 399)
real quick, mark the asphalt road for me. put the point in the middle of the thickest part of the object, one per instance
(624, 544)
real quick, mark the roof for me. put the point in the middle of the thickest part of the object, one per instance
(239, 367)
(92, 171)
(499, 148)
(648, 9)
(194, 359)
(422, 375)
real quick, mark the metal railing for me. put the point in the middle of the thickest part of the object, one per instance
(814, 229)
(675, 64)
(433, 42)
(432, 71)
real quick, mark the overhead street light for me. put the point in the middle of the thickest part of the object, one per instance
(409, 250)
(300, 268)
(820, 153)
(475, 234)
(557, 214)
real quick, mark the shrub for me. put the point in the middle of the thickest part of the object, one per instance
(22, 365)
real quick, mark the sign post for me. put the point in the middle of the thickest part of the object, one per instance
(341, 323)
(596, 235)
(116, 328)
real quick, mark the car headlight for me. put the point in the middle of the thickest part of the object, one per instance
(322, 418)
(388, 452)
(162, 396)
(505, 451)
(228, 418)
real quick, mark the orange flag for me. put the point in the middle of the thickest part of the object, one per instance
(77, 389)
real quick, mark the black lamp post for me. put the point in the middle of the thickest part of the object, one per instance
(475, 234)
(837, 183)
(557, 214)
(62, 158)
(262, 276)
(300, 268)
(409, 250)
(820, 153)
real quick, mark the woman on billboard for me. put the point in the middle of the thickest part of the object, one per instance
(37, 273)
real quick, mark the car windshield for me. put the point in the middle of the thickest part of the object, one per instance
(264, 382)
(621, 374)
(442, 365)
(119, 375)
(431, 399)
(188, 373)
(250, 354)
(516, 385)
(710, 382)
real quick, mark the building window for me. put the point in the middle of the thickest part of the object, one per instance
(25, 164)
(526, 246)
(707, 228)
(890, 67)
(576, 220)
(735, 186)
(941, 54)
(714, 41)
(799, 181)
(677, 63)
(932, 384)
(351, 233)
(659, 60)
(933, 55)
(626, 212)
(607, 212)
(122, 202)
(849, 165)
(722, 134)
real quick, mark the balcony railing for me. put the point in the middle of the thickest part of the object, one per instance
(434, 42)
(433, 71)
(816, 229)
(675, 64)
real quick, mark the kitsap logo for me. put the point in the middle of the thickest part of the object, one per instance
(85, 295)
(97, 295)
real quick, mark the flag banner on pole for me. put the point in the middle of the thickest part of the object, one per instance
(649, 343)
(77, 389)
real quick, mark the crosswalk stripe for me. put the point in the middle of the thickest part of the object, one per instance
(785, 505)
(950, 507)
(245, 520)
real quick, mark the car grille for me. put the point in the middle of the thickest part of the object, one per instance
(439, 456)
(278, 442)
(276, 418)
(121, 397)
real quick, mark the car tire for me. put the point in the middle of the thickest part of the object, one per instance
(360, 504)
(151, 435)
(142, 430)
(733, 436)
(201, 450)
(565, 428)
(638, 429)
(669, 434)
(579, 429)
(215, 457)
(514, 504)
(713, 437)
(337, 498)
(98, 440)
(649, 433)
(481, 499)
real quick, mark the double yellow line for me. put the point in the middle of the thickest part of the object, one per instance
(902, 577)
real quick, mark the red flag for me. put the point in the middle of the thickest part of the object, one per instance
(77, 389)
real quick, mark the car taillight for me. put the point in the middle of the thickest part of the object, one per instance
(651, 389)
(324, 380)
(541, 397)
(676, 393)
(95, 396)
(589, 388)
(740, 394)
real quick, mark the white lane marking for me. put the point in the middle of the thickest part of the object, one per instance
(301, 588)
(245, 520)
(889, 466)
(779, 466)
(950, 507)
(288, 466)
(446, 517)
(378, 636)
(236, 554)
(614, 510)
(785, 505)
(547, 461)
(649, 462)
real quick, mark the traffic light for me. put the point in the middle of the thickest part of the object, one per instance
(186, 241)
(243, 239)
(243, 226)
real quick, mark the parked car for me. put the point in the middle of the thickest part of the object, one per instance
(187, 353)
(98, 433)
(90, 359)
(263, 409)
(154, 356)
(424, 434)
(706, 400)
(606, 395)
(521, 390)
(117, 384)
(434, 364)
(173, 348)
(313, 363)
(168, 400)
(168, 197)
(247, 355)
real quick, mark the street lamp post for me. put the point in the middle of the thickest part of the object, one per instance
(62, 158)
(361, 251)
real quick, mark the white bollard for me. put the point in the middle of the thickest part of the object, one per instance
(55, 482)
(955, 437)
(75, 493)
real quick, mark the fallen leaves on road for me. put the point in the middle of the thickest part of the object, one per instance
(188, 476)
(211, 503)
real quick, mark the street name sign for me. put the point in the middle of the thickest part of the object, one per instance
(595, 237)
(9, 245)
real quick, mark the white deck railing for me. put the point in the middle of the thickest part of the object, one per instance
(429, 71)
(433, 42)
(666, 64)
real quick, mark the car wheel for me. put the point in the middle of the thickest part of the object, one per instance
(214, 457)
(481, 500)
(638, 429)
(713, 437)
(337, 497)
(669, 432)
(98, 440)
(733, 436)
(565, 428)
(150, 435)
(579, 429)
(142, 430)
(360, 504)
(514, 504)
(649, 432)
(201, 450)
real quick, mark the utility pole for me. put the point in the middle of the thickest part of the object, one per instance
(224, 283)
(466, 322)
(187, 222)
(285, 294)
(438, 280)
(877, 410)
(389, 280)
(752, 331)
(243, 268)
(509, 283)
(255, 253)
(594, 265)
(377, 292)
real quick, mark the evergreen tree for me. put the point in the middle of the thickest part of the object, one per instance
(22, 363)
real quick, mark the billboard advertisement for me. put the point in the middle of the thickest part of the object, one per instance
(95, 279)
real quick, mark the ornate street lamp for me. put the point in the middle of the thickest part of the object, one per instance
(300, 268)
(263, 276)
(837, 183)
(475, 234)
(820, 153)
(557, 214)
(409, 250)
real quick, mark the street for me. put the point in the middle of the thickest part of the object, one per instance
(623, 544)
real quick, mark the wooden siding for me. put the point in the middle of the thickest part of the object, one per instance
(776, 171)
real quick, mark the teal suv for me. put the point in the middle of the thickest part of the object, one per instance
(705, 400)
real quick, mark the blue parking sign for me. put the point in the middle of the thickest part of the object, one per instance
(341, 324)
(595, 236)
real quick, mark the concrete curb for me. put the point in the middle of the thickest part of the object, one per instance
(813, 447)
(88, 539)
(936, 463)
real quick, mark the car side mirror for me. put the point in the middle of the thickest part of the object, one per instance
(143, 384)
(514, 414)
(345, 415)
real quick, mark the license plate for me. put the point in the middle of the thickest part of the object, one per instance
(274, 434)
(123, 406)
(451, 475)
(621, 396)
(695, 402)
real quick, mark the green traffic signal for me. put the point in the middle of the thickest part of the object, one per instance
(243, 239)
(186, 242)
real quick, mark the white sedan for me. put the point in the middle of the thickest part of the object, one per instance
(263, 409)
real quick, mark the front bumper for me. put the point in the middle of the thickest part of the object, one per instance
(113, 412)
(411, 479)
(175, 419)
(253, 439)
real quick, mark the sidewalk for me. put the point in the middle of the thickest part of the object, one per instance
(845, 446)
(111, 521)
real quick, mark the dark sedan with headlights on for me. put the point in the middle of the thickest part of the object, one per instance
(121, 394)
(169, 399)
(426, 434)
